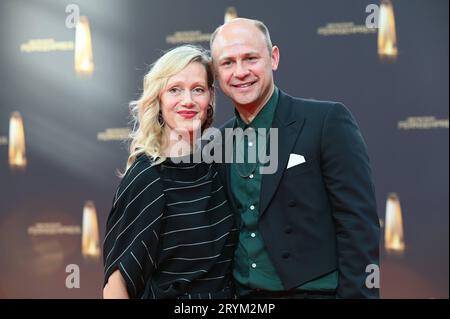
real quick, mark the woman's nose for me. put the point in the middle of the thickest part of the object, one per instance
(187, 99)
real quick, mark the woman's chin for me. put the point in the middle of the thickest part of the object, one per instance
(189, 127)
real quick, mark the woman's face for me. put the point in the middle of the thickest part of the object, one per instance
(185, 99)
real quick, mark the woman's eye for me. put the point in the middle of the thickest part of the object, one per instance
(174, 90)
(199, 90)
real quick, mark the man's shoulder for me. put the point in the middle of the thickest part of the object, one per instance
(307, 103)
(309, 106)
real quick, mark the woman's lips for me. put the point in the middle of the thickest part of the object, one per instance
(187, 114)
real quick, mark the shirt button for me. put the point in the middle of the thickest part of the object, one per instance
(253, 265)
(250, 144)
(252, 207)
(286, 255)
(253, 235)
(251, 176)
(292, 203)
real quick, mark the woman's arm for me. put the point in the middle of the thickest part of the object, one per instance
(131, 241)
(115, 288)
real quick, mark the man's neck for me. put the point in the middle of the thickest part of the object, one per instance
(249, 112)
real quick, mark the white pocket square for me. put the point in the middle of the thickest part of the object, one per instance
(295, 159)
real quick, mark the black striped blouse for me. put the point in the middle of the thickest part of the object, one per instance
(171, 232)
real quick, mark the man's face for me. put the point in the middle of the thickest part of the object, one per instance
(243, 64)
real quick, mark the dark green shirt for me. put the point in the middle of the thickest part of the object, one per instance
(252, 265)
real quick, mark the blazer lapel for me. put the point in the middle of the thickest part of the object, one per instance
(289, 128)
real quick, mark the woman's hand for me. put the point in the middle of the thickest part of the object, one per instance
(116, 287)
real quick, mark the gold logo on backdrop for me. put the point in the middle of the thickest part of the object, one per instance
(422, 123)
(16, 149)
(46, 45)
(84, 60)
(90, 243)
(188, 37)
(53, 229)
(230, 14)
(393, 233)
(387, 36)
(114, 134)
(344, 28)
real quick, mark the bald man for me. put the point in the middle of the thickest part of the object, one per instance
(309, 230)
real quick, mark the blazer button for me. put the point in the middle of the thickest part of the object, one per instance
(286, 255)
(288, 230)
(292, 203)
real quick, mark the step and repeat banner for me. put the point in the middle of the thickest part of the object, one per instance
(68, 70)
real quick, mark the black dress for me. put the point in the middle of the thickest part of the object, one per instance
(171, 232)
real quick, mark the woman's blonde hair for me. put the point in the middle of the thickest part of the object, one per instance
(146, 136)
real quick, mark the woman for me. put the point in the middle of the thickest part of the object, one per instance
(171, 232)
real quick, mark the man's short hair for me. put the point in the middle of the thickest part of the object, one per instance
(259, 24)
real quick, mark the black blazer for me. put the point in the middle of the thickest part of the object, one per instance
(321, 215)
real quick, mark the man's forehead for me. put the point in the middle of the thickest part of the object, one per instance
(231, 42)
(239, 24)
(238, 44)
(239, 31)
(236, 50)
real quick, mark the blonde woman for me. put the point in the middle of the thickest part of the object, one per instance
(171, 231)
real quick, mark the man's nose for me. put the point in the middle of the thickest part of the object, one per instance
(241, 71)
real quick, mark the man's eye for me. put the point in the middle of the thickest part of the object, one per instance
(226, 63)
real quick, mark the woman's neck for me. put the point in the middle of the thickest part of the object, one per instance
(175, 144)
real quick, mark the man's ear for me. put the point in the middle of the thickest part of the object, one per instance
(275, 57)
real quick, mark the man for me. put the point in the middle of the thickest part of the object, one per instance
(310, 229)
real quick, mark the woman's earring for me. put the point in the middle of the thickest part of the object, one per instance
(210, 112)
(209, 116)
(160, 119)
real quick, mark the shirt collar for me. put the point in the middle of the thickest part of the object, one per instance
(265, 116)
